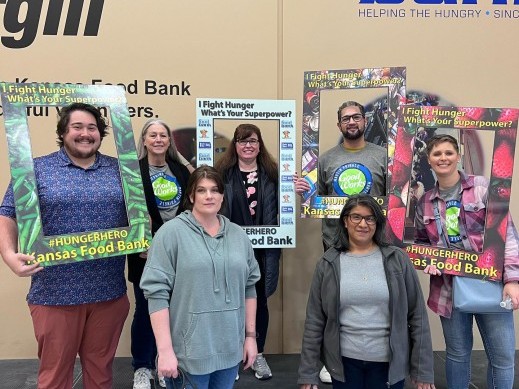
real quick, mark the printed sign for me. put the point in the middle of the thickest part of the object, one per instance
(283, 111)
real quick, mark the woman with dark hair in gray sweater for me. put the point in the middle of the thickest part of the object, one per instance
(366, 315)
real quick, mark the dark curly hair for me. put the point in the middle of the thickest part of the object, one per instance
(64, 120)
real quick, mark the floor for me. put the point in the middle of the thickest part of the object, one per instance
(21, 374)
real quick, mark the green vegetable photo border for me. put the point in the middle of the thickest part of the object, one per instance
(86, 245)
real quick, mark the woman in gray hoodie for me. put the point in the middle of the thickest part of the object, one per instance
(199, 281)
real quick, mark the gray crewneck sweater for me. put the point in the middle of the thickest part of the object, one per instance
(364, 307)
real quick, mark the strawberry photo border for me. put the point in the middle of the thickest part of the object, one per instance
(503, 122)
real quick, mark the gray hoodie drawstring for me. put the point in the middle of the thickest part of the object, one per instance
(225, 251)
(220, 237)
(216, 289)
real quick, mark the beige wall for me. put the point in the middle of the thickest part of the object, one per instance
(259, 50)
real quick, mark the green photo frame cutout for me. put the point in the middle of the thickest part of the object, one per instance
(86, 245)
(393, 79)
(503, 122)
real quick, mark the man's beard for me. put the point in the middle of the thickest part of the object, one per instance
(348, 135)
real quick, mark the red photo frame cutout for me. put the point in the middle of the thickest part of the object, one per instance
(487, 264)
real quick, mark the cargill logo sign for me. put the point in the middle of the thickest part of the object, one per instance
(22, 18)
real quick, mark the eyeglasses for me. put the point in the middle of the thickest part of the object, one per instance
(356, 218)
(252, 142)
(357, 118)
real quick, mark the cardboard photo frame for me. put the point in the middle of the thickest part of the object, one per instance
(70, 248)
(242, 110)
(392, 79)
(487, 264)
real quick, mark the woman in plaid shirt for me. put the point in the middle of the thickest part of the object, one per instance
(463, 227)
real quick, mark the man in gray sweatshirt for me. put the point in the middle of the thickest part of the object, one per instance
(351, 167)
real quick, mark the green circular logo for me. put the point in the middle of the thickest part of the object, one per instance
(164, 189)
(352, 178)
(452, 212)
(352, 181)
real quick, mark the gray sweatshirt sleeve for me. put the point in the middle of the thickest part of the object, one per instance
(421, 358)
(158, 278)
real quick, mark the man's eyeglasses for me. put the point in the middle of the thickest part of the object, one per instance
(252, 142)
(356, 218)
(357, 118)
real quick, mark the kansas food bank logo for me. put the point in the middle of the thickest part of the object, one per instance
(494, 8)
(22, 18)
